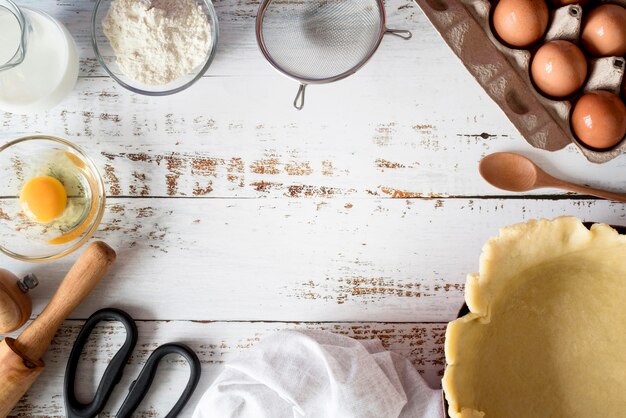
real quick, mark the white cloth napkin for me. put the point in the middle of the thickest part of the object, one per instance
(318, 374)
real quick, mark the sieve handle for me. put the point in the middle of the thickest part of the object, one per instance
(298, 102)
(400, 33)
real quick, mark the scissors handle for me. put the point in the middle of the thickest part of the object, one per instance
(140, 387)
(113, 373)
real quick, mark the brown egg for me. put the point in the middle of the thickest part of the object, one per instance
(560, 3)
(520, 23)
(599, 119)
(559, 68)
(604, 31)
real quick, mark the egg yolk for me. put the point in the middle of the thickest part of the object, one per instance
(43, 199)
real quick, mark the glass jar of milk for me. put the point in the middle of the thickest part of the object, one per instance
(38, 60)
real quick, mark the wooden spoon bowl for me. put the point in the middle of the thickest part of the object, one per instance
(516, 173)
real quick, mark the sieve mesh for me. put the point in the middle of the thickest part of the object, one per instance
(320, 40)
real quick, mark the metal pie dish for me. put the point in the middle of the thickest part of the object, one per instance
(464, 310)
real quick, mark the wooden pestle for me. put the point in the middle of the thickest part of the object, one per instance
(20, 359)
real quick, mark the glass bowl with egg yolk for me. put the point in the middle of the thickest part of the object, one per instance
(51, 198)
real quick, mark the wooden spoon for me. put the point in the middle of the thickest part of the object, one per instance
(516, 173)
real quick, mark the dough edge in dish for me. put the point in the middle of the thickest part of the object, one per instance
(518, 248)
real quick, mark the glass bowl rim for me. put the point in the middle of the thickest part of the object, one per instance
(101, 191)
(214, 41)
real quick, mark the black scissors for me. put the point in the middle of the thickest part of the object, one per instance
(113, 373)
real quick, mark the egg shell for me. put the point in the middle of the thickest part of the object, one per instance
(559, 68)
(604, 31)
(599, 119)
(520, 23)
(560, 3)
(504, 72)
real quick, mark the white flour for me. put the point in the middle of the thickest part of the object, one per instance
(157, 41)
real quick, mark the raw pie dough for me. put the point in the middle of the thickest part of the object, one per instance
(546, 336)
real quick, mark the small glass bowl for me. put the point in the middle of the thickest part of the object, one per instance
(106, 56)
(28, 157)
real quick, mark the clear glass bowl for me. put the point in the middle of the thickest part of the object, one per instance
(106, 56)
(33, 156)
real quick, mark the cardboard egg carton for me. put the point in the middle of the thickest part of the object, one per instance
(504, 72)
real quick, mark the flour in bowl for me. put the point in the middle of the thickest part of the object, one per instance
(157, 41)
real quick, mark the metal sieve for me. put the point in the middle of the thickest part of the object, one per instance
(320, 41)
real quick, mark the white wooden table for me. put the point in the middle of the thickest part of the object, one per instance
(235, 216)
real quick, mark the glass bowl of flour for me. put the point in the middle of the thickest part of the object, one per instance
(155, 47)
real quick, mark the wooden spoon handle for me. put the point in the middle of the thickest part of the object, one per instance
(618, 197)
(78, 283)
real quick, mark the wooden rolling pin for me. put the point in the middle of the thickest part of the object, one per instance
(20, 359)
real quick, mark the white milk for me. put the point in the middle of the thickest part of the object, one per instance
(10, 34)
(50, 67)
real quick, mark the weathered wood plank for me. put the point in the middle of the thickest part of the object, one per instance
(412, 123)
(391, 260)
(215, 343)
(346, 144)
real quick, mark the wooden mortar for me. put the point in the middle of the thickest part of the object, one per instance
(15, 303)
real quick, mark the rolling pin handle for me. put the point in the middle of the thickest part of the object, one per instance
(86, 272)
